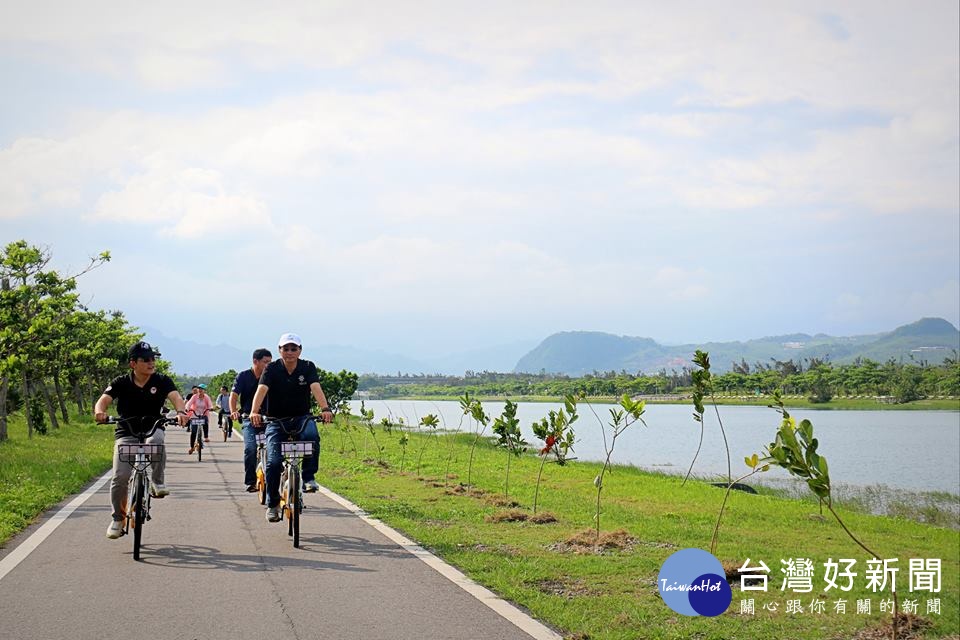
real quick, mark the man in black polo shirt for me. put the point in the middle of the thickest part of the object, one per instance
(140, 396)
(244, 388)
(288, 384)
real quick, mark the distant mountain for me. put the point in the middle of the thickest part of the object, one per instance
(194, 358)
(579, 352)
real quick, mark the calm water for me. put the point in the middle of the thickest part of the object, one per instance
(914, 450)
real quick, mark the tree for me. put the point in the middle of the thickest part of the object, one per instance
(629, 412)
(338, 387)
(34, 304)
(556, 433)
(507, 428)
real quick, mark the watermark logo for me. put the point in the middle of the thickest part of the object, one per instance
(693, 583)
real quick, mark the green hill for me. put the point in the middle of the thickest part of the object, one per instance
(579, 352)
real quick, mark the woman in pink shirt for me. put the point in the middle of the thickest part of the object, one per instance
(198, 405)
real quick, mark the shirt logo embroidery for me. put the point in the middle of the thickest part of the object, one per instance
(153, 389)
(301, 379)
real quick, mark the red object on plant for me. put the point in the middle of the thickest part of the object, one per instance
(550, 441)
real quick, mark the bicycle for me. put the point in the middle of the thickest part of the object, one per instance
(138, 455)
(261, 439)
(198, 423)
(291, 483)
(224, 418)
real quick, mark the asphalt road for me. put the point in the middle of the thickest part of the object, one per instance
(212, 567)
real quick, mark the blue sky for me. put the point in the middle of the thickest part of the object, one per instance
(430, 177)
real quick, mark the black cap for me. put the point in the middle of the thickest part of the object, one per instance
(142, 350)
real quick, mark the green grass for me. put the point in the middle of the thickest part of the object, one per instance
(37, 473)
(614, 595)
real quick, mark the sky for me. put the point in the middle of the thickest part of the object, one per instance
(433, 177)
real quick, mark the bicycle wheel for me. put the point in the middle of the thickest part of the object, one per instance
(285, 500)
(262, 483)
(295, 498)
(199, 446)
(138, 515)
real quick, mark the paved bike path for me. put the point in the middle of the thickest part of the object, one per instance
(212, 568)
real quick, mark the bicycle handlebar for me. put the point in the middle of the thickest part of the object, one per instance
(160, 421)
(315, 416)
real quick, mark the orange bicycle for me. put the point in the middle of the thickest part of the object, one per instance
(138, 455)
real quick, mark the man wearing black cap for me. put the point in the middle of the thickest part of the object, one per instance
(140, 396)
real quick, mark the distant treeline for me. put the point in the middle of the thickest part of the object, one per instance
(817, 379)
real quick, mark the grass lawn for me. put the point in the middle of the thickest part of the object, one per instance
(39, 472)
(613, 593)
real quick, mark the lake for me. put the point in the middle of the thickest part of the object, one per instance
(912, 450)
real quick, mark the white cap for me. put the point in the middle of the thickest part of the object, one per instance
(289, 338)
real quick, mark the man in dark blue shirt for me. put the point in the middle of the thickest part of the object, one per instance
(288, 384)
(244, 388)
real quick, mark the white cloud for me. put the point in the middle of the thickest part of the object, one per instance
(188, 203)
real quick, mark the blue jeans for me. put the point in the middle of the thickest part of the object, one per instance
(250, 452)
(303, 428)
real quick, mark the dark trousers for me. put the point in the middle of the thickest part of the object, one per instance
(250, 452)
(226, 422)
(277, 432)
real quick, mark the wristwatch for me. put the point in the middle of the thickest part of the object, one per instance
(325, 409)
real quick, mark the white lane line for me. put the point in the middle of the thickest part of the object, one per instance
(506, 610)
(15, 557)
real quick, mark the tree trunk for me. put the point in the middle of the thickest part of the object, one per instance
(61, 400)
(3, 408)
(47, 400)
(26, 401)
(78, 395)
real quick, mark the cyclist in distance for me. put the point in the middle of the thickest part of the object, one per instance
(224, 417)
(287, 385)
(140, 396)
(241, 399)
(199, 405)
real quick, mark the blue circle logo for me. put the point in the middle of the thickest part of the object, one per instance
(693, 583)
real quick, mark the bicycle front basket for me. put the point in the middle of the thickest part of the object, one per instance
(303, 449)
(129, 452)
(261, 438)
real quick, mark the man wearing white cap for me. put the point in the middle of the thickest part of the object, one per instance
(287, 384)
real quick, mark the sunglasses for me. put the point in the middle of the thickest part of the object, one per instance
(290, 347)
(146, 359)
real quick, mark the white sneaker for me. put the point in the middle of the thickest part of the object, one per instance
(159, 490)
(311, 486)
(273, 514)
(115, 530)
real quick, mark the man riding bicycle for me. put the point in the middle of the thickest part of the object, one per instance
(140, 396)
(241, 400)
(288, 384)
(224, 419)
